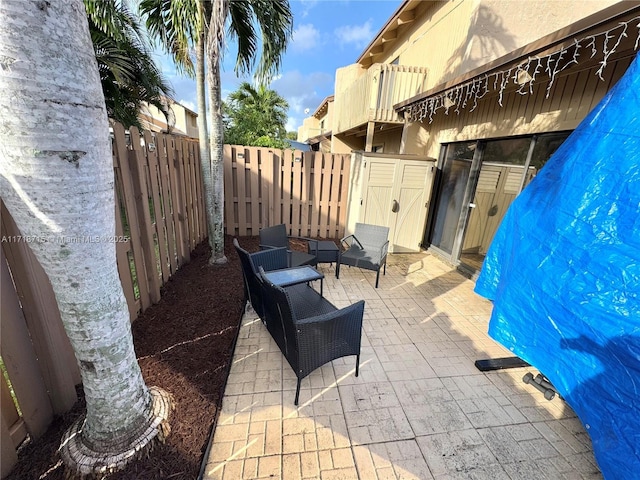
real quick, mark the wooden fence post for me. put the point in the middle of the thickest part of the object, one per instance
(344, 194)
(158, 226)
(137, 162)
(254, 189)
(20, 359)
(162, 147)
(229, 197)
(8, 452)
(58, 364)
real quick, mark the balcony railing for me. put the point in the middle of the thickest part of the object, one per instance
(371, 97)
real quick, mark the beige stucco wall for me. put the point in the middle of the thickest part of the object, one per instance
(311, 125)
(310, 128)
(452, 38)
(186, 122)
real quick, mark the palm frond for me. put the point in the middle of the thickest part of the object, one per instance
(128, 74)
(275, 21)
(176, 24)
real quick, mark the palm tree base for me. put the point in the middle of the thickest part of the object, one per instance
(218, 261)
(83, 462)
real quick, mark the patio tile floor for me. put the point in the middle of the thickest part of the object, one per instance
(419, 409)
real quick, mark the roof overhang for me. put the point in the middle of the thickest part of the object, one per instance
(404, 15)
(561, 39)
(319, 138)
(321, 111)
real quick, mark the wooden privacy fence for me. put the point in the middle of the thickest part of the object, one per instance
(160, 211)
(159, 221)
(160, 218)
(307, 191)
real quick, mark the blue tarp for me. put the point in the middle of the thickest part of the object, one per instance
(563, 272)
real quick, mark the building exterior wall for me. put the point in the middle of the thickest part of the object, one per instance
(452, 38)
(185, 121)
(570, 99)
(310, 128)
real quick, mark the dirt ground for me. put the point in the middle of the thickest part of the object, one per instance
(184, 345)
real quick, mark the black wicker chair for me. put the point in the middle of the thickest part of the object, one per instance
(273, 259)
(276, 237)
(309, 329)
(366, 248)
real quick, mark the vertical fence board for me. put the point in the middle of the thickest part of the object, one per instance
(315, 199)
(20, 360)
(287, 186)
(167, 195)
(335, 195)
(8, 452)
(122, 156)
(296, 188)
(241, 182)
(182, 189)
(344, 194)
(229, 192)
(159, 227)
(188, 194)
(276, 189)
(195, 195)
(254, 172)
(124, 269)
(149, 274)
(177, 187)
(326, 193)
(58, 365)
(184, 206)
(267, 170)
(305, 197)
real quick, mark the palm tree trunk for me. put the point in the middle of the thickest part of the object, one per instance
(216, 230)
(214, 42)
(203, 134)
(56, 178)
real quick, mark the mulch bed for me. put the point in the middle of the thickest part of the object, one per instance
(184, 345)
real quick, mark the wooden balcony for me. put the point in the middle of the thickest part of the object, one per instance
(371, 96)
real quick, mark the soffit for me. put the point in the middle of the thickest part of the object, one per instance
(556, 41)
(403, 16)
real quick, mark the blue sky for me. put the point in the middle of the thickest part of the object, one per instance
(328, 34)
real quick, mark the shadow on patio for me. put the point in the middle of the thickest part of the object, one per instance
(419, 409)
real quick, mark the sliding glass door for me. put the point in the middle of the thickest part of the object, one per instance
(478, 182)
(451, 197)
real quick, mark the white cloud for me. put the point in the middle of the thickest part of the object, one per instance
(358, 35)
(301, 92)
(188, 104)
(293, 123)
(308, 5)
(305, 38)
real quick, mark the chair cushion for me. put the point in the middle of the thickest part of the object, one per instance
(357, 257)
(300, 258)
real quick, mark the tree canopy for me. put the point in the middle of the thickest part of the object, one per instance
(256, 116)
(128, 74)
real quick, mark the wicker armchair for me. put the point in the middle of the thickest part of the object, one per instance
(276, 237)
(366, 248)
(309, 329)
(273, 259)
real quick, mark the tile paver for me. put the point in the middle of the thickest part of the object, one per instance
(419, 409)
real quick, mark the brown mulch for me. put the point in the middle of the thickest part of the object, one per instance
(184, 345)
